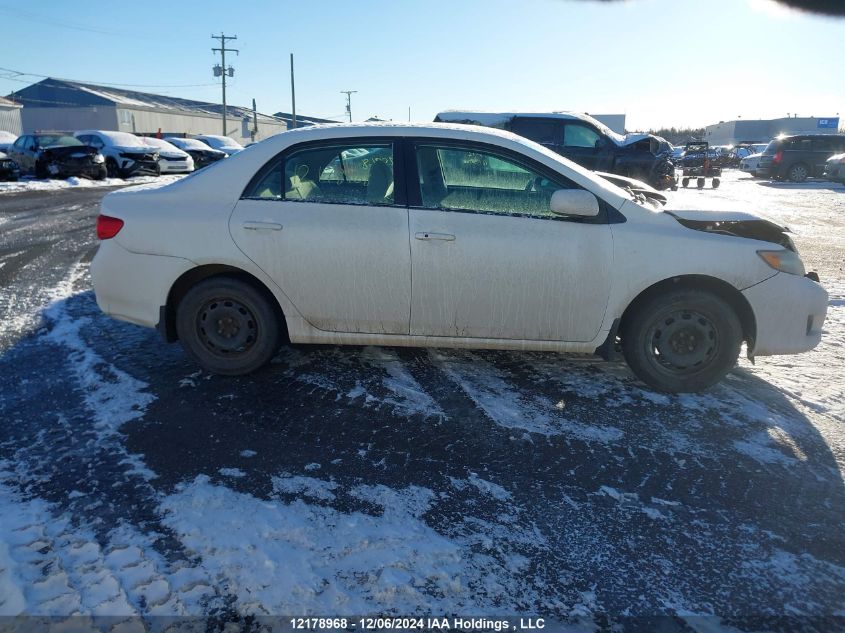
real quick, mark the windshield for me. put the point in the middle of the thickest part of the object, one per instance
(188, 143)
(53, 140)
(220, 142)
(158, 142)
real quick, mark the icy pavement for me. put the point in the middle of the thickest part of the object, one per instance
(397, 481)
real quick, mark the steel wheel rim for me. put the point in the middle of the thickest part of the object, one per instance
(682, 341)
(227, 327)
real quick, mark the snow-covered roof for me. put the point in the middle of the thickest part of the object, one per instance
(500, 119)
(8, 103)
(61, 92)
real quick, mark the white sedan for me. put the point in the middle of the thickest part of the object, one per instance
(171, 159)
(444, 235)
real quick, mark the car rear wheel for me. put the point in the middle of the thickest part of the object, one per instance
(228, 326)
(798, 172)
(683, 341)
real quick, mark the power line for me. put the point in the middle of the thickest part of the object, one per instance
(20, 73)
(76, 26)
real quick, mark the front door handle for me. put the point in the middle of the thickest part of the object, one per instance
(253, 225)
(428, 235)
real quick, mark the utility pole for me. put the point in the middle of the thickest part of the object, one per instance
(292, 94)
(221, 70)
(348, 94)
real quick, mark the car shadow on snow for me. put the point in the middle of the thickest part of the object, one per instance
(728, 502)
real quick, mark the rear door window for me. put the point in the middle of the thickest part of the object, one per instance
(338, 174)
(540, 131)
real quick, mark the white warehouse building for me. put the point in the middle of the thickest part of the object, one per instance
(57, 104)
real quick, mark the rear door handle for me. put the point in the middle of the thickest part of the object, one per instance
(428, 235)
(253, 225)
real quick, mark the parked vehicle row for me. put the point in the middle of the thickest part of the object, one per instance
(796, 158)
(98, 154)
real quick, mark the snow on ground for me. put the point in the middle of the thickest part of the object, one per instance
(34, 184)
(330, 537)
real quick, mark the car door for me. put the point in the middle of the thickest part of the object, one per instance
(489, 259)
(326, 223)
(18, 152)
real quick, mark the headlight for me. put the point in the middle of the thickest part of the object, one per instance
(98, 158)
(784, 261)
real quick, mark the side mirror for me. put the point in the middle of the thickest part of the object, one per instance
(574, 202)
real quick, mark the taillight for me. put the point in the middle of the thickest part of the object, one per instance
(778, 157)
(108, 227)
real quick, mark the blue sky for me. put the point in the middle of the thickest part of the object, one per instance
(751, 58)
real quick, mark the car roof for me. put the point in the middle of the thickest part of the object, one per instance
(272, 146)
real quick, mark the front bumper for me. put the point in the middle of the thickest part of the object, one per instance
(835, 172)
(169, 166)
(789, 312)
(131, 167)
(132, 286)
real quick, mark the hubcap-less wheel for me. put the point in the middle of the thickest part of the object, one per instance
(798, 173)
(682, 341)
(226, 327)
(229, 325)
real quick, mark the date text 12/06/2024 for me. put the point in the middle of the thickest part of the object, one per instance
(416, 623)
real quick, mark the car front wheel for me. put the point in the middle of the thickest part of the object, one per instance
(682, 341)
(228, 326)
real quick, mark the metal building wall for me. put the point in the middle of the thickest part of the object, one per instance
(10, 120)
(69, 119)
(150, 121)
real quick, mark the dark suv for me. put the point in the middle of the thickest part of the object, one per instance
(586, 141)
(799, 157)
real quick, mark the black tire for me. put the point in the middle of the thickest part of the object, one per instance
(682, 341)
(716, 183)
(112, 168)
(247, 329)
(102, 173)
(700, 183)
(41, 170)
(685, 182)
(798, 172)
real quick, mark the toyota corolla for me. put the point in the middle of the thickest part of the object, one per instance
(444, 235)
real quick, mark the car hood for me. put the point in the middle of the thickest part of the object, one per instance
(136, 150)
(67, 150)
(735, 223)
(169, 153)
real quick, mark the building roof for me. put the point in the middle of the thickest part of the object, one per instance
(9, 104)
(58, 93)
(301, 120)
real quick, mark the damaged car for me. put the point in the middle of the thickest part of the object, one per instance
(9, 169)
(512, 246)
(56, 155)
(125, 154)
(202, 154)
(585, 140)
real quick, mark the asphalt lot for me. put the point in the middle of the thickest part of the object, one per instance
(377, 480)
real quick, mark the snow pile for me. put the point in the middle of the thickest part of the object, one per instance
(30, 184)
